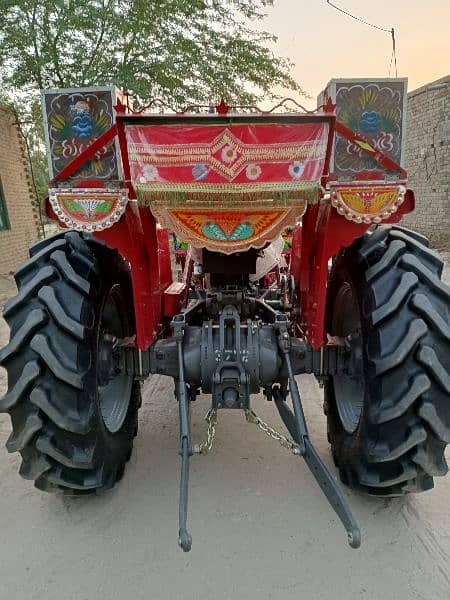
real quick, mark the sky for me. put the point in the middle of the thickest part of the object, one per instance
(324, 43)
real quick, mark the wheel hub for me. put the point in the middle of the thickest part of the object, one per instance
(110, 359)
(114, 384)
(349, 385)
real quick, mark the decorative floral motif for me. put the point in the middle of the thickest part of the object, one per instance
(370, 204)
(229, 154)
(80, 113)
(88, 209)
(370, 121)
(199, 171)
(253, 171)
(296, 169)
(149, 173)
(384, 142)
(374, 110)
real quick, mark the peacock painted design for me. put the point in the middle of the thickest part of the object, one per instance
(74, 120)
(374, 111)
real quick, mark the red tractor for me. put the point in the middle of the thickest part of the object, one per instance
(360, 303)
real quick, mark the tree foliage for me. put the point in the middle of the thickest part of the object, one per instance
(181, 50)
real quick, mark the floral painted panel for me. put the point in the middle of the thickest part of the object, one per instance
(74, 119)
(374, 110)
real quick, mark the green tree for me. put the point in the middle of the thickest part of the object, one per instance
(181, 50)
(184, 51)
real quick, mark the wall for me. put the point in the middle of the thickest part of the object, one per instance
(427, 160)
(18, 194)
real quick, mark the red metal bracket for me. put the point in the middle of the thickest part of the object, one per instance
(324, 232)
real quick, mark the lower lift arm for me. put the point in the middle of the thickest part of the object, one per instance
(296, 424)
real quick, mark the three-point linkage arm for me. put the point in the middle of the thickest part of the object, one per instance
(294, 421)
(296, 424)
(184, 538)
(178, 325)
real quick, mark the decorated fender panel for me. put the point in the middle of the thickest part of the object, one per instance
(88, 209)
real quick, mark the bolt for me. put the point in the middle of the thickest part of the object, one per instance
(296, 450)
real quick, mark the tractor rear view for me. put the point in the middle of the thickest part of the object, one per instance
(359, 302)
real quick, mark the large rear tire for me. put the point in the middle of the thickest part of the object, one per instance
(72, 405)
(389, 415)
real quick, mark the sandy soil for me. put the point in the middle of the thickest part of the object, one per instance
(260, 525)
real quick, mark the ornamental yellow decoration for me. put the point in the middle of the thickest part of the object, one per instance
(367, 203)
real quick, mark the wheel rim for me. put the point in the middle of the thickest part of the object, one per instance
(349, 386)
(114, 384)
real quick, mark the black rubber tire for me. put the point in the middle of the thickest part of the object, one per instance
(399, 442)
(51, 361)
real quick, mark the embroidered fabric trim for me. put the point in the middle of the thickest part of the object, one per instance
(228, 231)
(228, 195)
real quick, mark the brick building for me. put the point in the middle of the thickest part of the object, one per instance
(427, 160)
(18, 214)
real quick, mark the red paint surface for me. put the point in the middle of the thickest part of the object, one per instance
(220, 153)
(140, 241)
(323, 234)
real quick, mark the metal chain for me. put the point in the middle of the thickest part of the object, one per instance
(287, 443)
(251, 417)
(204, 447)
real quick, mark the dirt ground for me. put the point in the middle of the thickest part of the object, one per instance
(261, 527)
